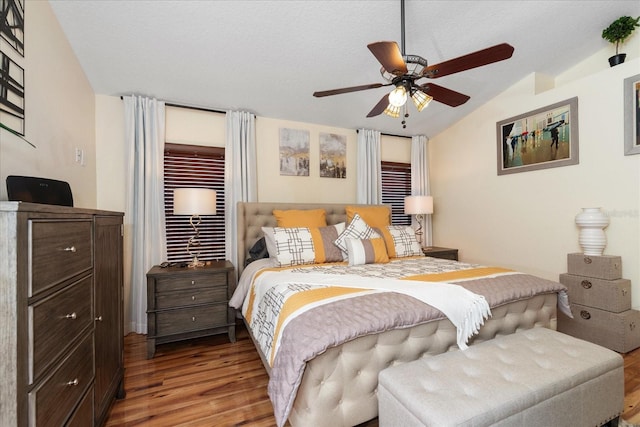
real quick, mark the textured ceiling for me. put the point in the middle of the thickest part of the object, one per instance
(268, 57)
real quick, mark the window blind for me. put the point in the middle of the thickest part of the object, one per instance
(199, 167)
(396, 184)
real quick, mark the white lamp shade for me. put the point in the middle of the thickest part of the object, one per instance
(194, 201)
(415, 205)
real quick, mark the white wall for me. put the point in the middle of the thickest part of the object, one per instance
(526, 220)
(59, 112)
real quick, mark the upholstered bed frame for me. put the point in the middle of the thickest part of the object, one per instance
(339, 387)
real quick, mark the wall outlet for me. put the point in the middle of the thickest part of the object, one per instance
(79, 158)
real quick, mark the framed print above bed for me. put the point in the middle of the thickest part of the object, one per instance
(632, 115)
(540, 139)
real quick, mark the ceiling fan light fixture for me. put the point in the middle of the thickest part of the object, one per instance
(392, 111)
(420, 99)
(398, 96)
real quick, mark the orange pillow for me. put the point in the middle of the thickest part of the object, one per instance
(374, 216)
(301, 218)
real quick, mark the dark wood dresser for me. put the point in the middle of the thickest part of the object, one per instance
(61, 321)
(185, 303)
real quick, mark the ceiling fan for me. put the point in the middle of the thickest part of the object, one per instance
(403, 72)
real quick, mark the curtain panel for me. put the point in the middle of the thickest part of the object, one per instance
(369, 169)
(420, 178)
(144, 220)
(240, 173)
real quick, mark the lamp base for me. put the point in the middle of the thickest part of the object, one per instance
(195, 262)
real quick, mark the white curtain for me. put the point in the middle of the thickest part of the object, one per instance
(145, 236)
(240, 181)
(369, 181)
(420, 178)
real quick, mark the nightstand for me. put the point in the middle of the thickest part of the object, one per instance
(185, 303)
(445, 253)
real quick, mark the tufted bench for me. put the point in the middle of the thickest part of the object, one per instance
(536, 377)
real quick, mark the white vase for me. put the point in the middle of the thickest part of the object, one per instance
(592, 222)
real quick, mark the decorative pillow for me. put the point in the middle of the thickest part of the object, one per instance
(301, 218)
(374, 216)
(357, 229)
(257, 251)
(367, 251)
(401, 241)
(303, 245)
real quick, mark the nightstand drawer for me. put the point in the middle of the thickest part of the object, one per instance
(54, 399)
(191, 319)
(59, 251)
(178, 299)
(55, 322)
(190, 281)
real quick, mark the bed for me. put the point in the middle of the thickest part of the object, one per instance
(337, 383)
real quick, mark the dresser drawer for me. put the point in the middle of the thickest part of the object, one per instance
(190, 281)
(83, 415)
(58, 250)
(54, 322)
(189, 297)
(191, 319)
(53, 400)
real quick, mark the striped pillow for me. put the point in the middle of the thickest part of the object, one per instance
(366, 251)
(303, 245)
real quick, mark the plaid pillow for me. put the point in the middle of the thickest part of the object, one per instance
(303, 245)
(357, 229)
(401, 241)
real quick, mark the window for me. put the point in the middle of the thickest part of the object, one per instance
(396, 184)
(201, 167)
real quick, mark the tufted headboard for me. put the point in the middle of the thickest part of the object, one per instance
(254, 215)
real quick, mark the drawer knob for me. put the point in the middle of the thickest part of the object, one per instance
(193, 319)
(73, 382)
(70, 249)
(193, 282)
(586, 284)
(72, 316)
(193, 297)
(99, 319)
(585, 314)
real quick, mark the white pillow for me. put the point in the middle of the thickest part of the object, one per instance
(404, 241)
(303, 245)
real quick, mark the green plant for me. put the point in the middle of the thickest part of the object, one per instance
(620, 29)
(16, 134)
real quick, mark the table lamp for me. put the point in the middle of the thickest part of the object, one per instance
(418, 206)
(194, 202)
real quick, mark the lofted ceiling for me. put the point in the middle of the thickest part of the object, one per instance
(268, 57)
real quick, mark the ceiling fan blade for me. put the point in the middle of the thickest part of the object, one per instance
(322, 93)
(389, 55)
(472, 60)
(444, 95)
(380, 107)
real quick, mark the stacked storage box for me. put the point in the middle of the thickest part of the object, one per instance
(600, 303)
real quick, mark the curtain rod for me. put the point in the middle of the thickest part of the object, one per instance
(210, 110)
(388, 134)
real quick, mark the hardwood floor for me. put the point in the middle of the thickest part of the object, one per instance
(211, 381)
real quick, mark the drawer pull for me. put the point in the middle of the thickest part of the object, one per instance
(585, 314)
(99, 319)
(193, 297)
(193, 319)
(72, 316)
(73, 383)
(193, 282)
(586, 284)
(70, 249)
